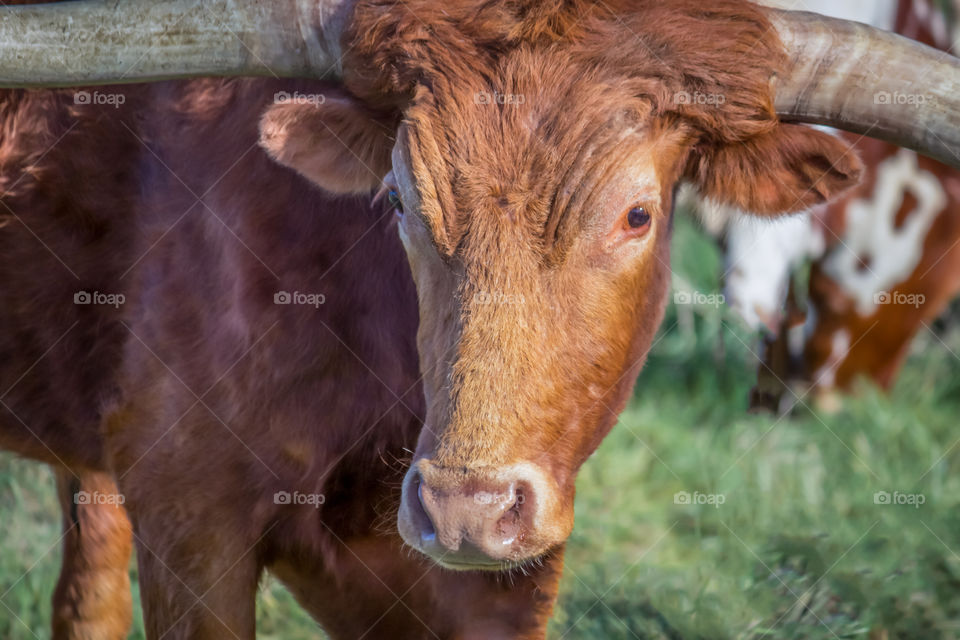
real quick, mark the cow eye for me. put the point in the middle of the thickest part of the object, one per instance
(394, 199)
(638, 218)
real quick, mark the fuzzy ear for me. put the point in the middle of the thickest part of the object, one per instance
(333, 141)
(790, 168)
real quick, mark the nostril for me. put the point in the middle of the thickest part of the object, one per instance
(427, 532)
(508, 527)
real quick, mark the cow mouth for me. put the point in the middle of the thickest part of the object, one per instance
(502, 566)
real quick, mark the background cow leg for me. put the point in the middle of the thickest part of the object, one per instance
(198, 580)
(92, 598)
(378, 588)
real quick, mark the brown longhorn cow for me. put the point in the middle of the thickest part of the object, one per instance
(209, 325)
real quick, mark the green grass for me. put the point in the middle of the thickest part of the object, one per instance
(798, 549)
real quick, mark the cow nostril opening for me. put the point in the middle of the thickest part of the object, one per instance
(428, 534)
(509, 528)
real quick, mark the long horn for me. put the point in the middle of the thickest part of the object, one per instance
(93, 42)
(864, 80)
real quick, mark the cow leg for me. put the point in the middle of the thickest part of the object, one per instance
(92, 598)
(197, 580)
(377, 588)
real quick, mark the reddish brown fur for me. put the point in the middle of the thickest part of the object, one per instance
(200, 500)
(92, 599)
(204, 398)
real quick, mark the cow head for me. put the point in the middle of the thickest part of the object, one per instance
(534, 186)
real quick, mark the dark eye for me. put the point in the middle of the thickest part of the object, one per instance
(394, 199)
(638, 217)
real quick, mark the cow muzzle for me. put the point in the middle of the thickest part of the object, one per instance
(482, 519)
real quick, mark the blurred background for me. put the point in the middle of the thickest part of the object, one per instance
(788, 467)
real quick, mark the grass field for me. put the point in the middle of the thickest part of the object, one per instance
(790, 542)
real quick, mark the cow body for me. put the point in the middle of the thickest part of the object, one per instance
(212, 397)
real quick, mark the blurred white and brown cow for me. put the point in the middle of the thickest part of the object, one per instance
(885, 259)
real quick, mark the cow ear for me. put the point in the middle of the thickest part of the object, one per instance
(790, 168)
(333, 141)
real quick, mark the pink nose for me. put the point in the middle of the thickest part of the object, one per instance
(463, 522)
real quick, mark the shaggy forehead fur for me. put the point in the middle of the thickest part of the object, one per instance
(575, 79)
(526, 162)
